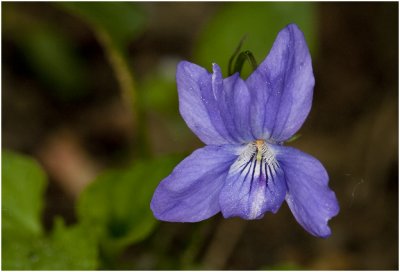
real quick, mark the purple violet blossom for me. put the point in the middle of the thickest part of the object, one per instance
(244, 170)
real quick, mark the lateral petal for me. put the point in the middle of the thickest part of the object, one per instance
(190, 193)
(198, 105)
(309, 198)
(282, 87)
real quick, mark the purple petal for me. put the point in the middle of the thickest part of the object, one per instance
(251, 189)
(216, 109)
(197, 103)
(234, 105)
(282, 87)
(190, 193)
(309, 198)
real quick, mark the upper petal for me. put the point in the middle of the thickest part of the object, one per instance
(197, 103)
(252, 187)
(282, 87)
(190, 193)
(234, 104)
(310, 199)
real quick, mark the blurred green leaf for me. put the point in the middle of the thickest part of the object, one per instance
(24, 245)
(117, 204)
(23, 184)
(50, 53)
(19, 252)
(53, 57)
(261, 22)
(122, 21)
(283, 267)
(159, 94)
(66, 249)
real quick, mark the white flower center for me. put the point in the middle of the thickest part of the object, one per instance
(260, 153)
(256, 162)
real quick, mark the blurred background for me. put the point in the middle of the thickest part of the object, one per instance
(90, 126)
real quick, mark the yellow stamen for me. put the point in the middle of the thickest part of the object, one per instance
(259, 145)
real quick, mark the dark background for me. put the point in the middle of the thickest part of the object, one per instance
(352, 129)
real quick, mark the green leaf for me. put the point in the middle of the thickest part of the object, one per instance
(49, 52)
(69, 248)
(24, 243)
(66, 249)
(23, 184)
(53, 57)
(117, 204)
(159, 94)
(282, 266)
(261, 22)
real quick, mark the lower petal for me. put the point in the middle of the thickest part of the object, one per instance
(190, 193)
(309, 198)
(252, 189)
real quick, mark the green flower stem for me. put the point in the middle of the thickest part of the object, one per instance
(129, 94)
(115, 50)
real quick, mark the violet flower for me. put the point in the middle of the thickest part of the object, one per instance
(244, 170)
